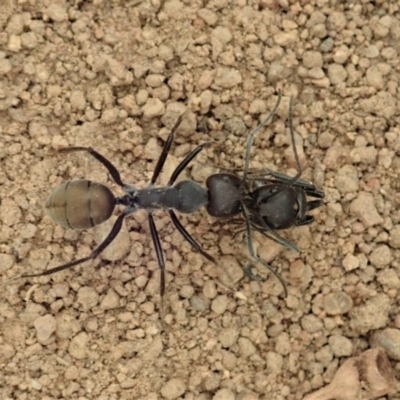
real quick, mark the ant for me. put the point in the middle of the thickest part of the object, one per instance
(268, 203)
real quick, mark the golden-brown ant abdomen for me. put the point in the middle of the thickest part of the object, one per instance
(80, 204)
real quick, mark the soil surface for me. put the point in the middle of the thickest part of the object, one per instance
(116, 75)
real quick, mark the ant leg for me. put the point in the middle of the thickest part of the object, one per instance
(253, 253)
(160, 258)
(252, 134)
(250, 274)
(274, 236)
(110, 237)
(110, 167)
(165, 151)
(184, 163)
(188, 237)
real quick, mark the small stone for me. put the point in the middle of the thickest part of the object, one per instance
(153, 108)
(228, 337)
(223, 34)
(312, 59)
(311, 323)
(389, 340)
(342, 54)
(110, 300)
(341, 346)
(78, 346)
(375, 77)
(381, 256)
(173, 389)
(45, 326)
(394, 237)
(6, 262)
(258, 107)
(88, 297)
(5, 66)
(57, 12)
(154, 80)
(300, 274)
(227, 77)
(208, 16)
(219, 304)
(278, 70)
(224, 394)
(29, 40)
(231, 272)
(374, 314)
(77, 100)
(327, 45)
(209, 290)
(246, 347)
(364, 208)
(211, 382)
(350, 262)
(346, 179)
(286, 38)
(371, 51)
(274, 362)
(336, 73)
(198, 303)
(120, 246)
(337, 303)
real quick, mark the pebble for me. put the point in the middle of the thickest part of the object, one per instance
(210, 290)
(78, 346)
(45, 326)
(346, 179)
(230, 271)
(208, 16)
(198, 303)
(300, 274)
(219, 304)
(5, 66)
(341, 346)
(371, 51)
(285, 38)
(120, 246)
(381, 256)
(389, 340)
(153, 108)
(364, 208)
(110, 300)
(375, 78)
(211, 382)
(227, 78)
(77, 100)
(311, 323)
(374, 314)
(88, 297)
(246, 347)
(6, 262)
(312, 59)
(350, 262)
(336, 73)
(57, 12)
(394, 237)
(342, 54)
(173, 389)
(223, 34)
(228, 337)
(337, 303)
(224, 394)
(274, 362)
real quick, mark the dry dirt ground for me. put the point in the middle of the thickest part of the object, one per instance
(115, 75)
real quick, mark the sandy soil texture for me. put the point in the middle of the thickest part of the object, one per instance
(115, 75)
